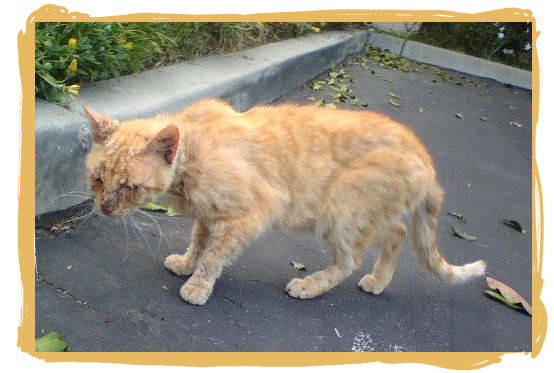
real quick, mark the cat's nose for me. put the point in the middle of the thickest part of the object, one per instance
(108, 207)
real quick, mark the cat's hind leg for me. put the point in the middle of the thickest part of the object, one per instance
(383, 270)
(347, 255)
(186, 263)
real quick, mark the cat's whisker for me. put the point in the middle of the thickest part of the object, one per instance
(160, 235)
(76, 192)
(126, 236)
(80, 217)
(93, 215)
(142, 235)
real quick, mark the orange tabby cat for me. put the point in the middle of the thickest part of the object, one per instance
(350, 175)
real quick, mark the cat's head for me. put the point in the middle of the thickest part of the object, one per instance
(131, 162)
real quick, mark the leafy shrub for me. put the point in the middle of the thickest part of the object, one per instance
(68, 54)
(504, 42)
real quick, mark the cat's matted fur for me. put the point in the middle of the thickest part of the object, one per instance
(349, 175)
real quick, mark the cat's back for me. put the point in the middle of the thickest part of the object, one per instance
(347, 133)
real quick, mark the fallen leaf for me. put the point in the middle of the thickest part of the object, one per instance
(516, 124)
(171, 212)
(69, 267)
(459, 115)
(298, 266)
(59, 228)
(459, 216)
(51, 342)
(151, 206)
(316, 86)
(394, 96)
(165, 287)
(394, 103)
(514, 224)
(484, 118)
(507, 295)
(421, 110)
(463, 235)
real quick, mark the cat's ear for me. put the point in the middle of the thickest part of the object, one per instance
(102, 125)
(166, 143)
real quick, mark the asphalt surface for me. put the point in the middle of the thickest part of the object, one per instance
(102, 284)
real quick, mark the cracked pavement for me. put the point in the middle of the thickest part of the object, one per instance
(102, 284)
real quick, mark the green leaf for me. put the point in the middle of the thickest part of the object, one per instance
(171, 212)
(500, 298)
(394, 103)
(151, 206)
(51, 342)
(298, 266)
(459, 216)
(316, 86)
(514, 224)
(463, 235)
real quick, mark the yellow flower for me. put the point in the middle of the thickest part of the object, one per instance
(128, 45)
(72, 43)
(73, 89)
(316, 29)
(73, 65)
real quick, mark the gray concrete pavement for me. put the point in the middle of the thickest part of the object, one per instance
(113, 297)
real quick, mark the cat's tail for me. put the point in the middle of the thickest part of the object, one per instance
(424, 220)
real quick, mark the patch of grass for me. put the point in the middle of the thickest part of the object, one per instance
(505, 42)
(69, 54)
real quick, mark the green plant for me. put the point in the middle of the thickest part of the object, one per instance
(69, 54)
(504, 42)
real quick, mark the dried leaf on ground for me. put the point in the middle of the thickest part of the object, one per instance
(514, 224)
(394, 103)
(459, 216)
(507, 295)
(51, 342)
(298, 266)
(394, 96)
(59, 228)
(459, 116)
(463, 235)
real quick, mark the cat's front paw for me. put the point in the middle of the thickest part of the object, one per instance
(196, 291)
(303, 288)
(369, 284)
(179, 264)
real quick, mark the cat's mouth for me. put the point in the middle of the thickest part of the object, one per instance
(116, 203)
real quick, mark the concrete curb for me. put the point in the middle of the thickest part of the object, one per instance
(246, 78)
(451, 60)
